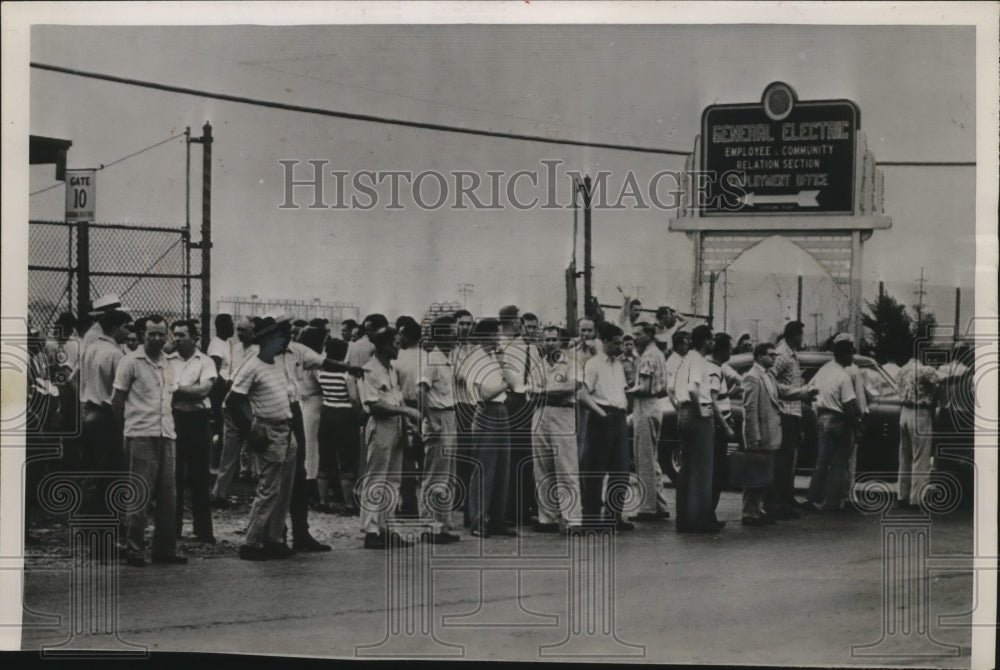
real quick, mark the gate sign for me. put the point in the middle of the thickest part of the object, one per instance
(780, 156)
(81, 195)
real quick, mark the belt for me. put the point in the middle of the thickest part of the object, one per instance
(609, 409)
(442, 409)
(915, 405)
(559, 403)
(98, 406)
(287, 420)
(687, 405)
(824, 410)
(495, 403)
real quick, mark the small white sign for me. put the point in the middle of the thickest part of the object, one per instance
(81, 195)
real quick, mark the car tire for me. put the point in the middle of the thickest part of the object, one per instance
(672, 464)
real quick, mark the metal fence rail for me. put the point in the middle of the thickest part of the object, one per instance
(150, 267)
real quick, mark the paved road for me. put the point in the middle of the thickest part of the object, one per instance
(801, 592)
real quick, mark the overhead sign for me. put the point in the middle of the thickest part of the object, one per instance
(81, 195)
(779, 156)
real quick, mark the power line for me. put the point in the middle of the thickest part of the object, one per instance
(114, 162)
(355, 117)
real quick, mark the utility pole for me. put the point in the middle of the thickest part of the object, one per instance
(588, 274)
(206, 233)
(466, 289)
(798, 302)
(756, 331)
(815, 316)
(711, 297)
(920, 296)
(725, 300)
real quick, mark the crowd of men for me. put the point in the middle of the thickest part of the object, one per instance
(497, 425)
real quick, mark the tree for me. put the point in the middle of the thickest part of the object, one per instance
(890, 327)
(924, 328)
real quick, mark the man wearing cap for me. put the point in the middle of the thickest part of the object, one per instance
(385, 435)
(101, 432)
(838, 424)
(195, 375)
(144, 385)
(101, 306)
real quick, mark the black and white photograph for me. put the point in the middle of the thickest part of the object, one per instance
(612, 332)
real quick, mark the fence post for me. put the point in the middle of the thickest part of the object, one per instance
(82, 267)
(206, 236)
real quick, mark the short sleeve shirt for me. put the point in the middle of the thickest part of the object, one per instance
(407, 366)
(101, 357)
(787, 371)
(836, 388)
(482, 367)
(266, 386)
(380, 384)
(437, 375)
(295, 361)
(195, 370)
(653, 365)
(605, 380)
(523, 360)
(559, 373)
(223, 350)
(360, 351)
(150, 386)
(458, 357)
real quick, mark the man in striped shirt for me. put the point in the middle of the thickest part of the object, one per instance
(339, 438)
(260, 407)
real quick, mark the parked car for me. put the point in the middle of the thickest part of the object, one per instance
(878, 450)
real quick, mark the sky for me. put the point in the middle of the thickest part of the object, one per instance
(644, 85)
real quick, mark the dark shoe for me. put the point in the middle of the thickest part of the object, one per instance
(753, 521)
(790, 514)
(480, 532)
(171, 560)
(278, 550)
(310, 544)
(251, 553)
(374, 541)
(768, 518)
(439, 538)
(663, 515)
(547, 528)
(624, 525)
(648, 516)
(220, 503)
(136, 561)
(715, 526)
(207, 539)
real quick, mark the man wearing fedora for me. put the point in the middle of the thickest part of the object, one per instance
(259, 405)
(101, 433)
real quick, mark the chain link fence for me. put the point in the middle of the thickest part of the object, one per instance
(151, 268)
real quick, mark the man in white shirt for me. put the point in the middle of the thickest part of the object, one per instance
(580, 350)
(235, 456)
(195, 376)
(696, 424)
(440, 431)
(681, 341)
(521, 357)
(838, 424)
(607, 452)
(408, 364)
